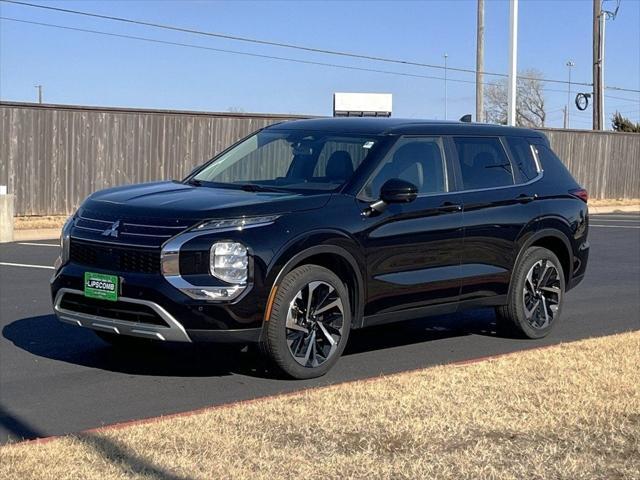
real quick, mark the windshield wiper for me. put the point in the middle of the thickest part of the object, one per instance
(194, 182)
(253, 187)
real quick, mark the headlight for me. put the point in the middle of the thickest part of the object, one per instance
(237, 223)
(65, 241)
(229, 261)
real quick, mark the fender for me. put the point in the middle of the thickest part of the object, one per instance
(545, 232)
(315, 243)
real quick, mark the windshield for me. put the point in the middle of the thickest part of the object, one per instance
(288, 160)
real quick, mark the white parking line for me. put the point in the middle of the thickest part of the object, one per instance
(614, 220)
(25, 265)
(614, 226)
(39, 244)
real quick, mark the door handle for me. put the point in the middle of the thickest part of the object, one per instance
(450, 207)
(524, 198)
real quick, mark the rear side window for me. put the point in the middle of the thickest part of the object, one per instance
(525, 164)
(483, 163)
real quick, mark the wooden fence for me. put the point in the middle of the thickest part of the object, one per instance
(53, 156)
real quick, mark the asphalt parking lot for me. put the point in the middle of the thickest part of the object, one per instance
(56, 378)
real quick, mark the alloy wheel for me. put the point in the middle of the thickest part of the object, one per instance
(314, 325)
(542, 294)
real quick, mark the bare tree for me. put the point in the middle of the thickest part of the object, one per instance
(529, 100)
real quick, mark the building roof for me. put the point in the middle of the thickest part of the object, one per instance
(399, 126)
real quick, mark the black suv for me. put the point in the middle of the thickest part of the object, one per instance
(308, 229)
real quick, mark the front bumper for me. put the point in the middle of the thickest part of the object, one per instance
(176, 317)
(173, 331)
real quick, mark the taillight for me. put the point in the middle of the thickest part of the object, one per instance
(580, 193)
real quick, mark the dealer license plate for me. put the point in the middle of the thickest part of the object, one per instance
(99, 285)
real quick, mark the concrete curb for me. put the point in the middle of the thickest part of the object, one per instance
(615, 209)
(36, 234)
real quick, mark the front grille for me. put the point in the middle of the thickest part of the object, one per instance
(120, 310)
(142, 231)
(115, 258)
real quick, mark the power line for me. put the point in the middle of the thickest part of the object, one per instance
(624, 98)
(279, 44)
(235, 52)
(249, 54)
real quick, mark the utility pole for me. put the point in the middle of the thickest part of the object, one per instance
(569, 64)
(445, 85)
(513, 62)
(480, 63)
(39, 87)
(597, 67)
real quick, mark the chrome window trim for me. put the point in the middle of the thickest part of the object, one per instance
(173, 332)
(533, 180)
(524, 184)
(453, 192)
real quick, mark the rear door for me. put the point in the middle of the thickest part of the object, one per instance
(496, 178)
(412, 250)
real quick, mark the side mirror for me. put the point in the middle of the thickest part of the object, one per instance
(396, 190)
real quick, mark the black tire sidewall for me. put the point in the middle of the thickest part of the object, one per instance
(532, 256)
(276, 339)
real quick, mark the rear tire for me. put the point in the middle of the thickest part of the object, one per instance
(309, 323)
(535, 299)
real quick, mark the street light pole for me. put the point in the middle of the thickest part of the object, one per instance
(570, 64)
(513, 62)
(445, 85)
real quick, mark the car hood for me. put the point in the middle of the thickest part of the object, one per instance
(180, 201)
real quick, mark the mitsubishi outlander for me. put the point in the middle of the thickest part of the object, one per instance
(308, 229)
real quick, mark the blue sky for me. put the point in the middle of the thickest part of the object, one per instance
(80, 68)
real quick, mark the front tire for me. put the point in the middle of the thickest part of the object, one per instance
(535, 299)
(309, 323)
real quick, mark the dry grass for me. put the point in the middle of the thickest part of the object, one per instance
(45, 221)
(567, 412)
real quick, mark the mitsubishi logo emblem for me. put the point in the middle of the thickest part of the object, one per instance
(112, 231)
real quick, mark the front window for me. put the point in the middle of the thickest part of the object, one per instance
(419, 160)
(289, 160)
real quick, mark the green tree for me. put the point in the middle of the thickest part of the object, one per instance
(623, 124)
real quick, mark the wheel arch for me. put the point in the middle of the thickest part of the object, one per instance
(334, 257)
(553, 240)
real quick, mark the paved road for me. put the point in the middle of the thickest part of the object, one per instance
(56, 378)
